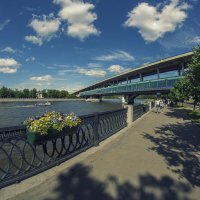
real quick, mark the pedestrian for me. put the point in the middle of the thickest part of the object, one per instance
(157, 106)
(161, 105)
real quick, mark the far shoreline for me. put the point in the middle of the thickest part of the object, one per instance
(2, 100)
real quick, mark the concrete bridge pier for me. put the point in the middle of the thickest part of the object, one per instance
(130, 112)
(128, 99)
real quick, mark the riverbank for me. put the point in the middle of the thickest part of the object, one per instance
(158, 160)
(36, 100)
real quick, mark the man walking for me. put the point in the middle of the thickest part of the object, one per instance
(157, 106)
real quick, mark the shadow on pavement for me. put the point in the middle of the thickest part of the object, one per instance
(177, 112)
(179, 144)
(78, 184)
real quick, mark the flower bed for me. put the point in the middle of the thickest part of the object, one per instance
(50, 125)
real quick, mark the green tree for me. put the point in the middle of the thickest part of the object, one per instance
(63, 94)
(180, 92)
(18, 93)
(4, 92)
(193, 76)
(32, 93)
(26, 93)
(189, 86)
(44, 94)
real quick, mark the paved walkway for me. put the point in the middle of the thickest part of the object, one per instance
(156, 159)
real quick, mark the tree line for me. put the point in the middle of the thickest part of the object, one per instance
(26, 93)
(189, 86)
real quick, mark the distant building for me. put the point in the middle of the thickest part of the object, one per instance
(39, 95)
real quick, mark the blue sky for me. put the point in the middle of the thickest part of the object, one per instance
(69, 44)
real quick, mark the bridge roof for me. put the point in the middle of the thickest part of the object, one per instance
(161, 64)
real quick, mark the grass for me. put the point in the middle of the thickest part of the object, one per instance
(195, 115)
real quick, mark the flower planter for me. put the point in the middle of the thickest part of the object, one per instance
(36, 138)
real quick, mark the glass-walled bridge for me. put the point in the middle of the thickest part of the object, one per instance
(151, 78)
(137, 87)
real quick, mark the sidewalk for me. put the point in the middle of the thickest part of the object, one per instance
(157, 159)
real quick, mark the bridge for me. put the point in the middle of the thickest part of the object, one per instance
(152, 78)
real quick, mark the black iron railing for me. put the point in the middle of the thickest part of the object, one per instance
(141, 109)
(19, 159)
(137, 111)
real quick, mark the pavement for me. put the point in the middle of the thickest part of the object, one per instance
(157, 158)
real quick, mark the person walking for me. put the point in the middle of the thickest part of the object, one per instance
(161, 105)
(157, 106)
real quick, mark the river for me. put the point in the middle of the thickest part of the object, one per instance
(14, 113)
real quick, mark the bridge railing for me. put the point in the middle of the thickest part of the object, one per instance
(165, 83)
(19, 159)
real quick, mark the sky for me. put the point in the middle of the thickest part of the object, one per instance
(70, 44)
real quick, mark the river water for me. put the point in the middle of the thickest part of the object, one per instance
(14, 113)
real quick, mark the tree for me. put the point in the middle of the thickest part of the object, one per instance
(189, 86)
(4, 92)
(26, 93)
(193, 76)
(180, 92)
(63, 94)
(32, 93)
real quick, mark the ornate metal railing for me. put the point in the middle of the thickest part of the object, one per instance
(137, 111)
(141, 109)
(19, 159)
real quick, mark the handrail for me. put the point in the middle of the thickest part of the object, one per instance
(20, 159)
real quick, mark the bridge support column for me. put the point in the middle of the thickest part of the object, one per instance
(129, 114)
(158, 73)
(128, 99)
(125, 99)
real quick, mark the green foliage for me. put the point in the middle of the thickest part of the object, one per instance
(195, 115)
(193, 75)
(51, 120)
(181, 91)
(55, 94)
(189, 86)
(26, 93)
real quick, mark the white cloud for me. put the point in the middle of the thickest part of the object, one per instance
(43, 84)
(11, 50)
(196, 40)
(94, 65)
(184, 38)
(8, 65)
(117, 69)
(92, 72)
(154, 22)
(116, 55)
(30, 59)
(8, 50)
(34, 39)
(79, 18)
(42, 78)
(45, 26)
(3, 24)
(87, 72)
(61, 66)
